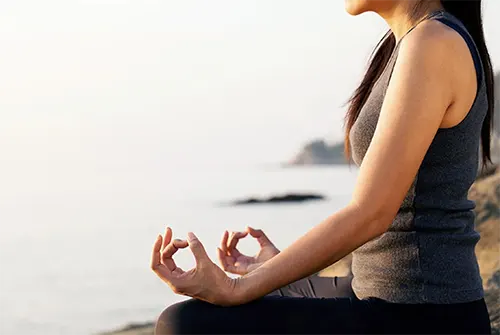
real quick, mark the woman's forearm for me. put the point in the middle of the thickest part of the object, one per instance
(326, 243)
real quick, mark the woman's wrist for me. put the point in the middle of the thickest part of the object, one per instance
(241, 291)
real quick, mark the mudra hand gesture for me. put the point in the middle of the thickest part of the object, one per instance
(206, 281)
(233, 261)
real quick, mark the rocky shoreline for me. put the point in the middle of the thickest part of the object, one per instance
(146, 328)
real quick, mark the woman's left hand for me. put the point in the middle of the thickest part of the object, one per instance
(206, 281)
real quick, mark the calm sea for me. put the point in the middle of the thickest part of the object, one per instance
(75, 260)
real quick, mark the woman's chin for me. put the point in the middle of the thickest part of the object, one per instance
(356, 7)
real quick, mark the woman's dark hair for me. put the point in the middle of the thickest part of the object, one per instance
(469, 13)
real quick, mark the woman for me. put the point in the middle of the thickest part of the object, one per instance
(414, 127)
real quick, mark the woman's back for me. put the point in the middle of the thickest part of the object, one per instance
(427, 255)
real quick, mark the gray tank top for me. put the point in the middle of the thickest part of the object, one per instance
(427, 255)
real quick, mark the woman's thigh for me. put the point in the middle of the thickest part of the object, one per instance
(461, 318)
(268, 315)
(318, 287)
(288, 315)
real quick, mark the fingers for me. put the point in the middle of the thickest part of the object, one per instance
(223, 242)
(197, 248)
(227, 262)
(172, 248)
(221, 255)
(229, 242)
(155, 257)
(162, 263)
(260, 236)
(167, 238)
(233, 241)
(169, 251)
(157, 266)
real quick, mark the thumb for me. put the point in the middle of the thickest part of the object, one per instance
(197, 248)
(260, 236)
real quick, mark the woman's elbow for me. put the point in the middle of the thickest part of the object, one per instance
(377, 218)
(382, 223)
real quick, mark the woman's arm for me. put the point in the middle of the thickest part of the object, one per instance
(326, 243)
(419, 94)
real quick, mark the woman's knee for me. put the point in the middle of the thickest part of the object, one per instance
(178, 318)
(168, 320)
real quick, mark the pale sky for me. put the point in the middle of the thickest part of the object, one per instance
(91, 84)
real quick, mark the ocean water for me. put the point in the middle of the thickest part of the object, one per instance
(75, 260)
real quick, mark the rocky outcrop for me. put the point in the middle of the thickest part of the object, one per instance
(495, 143)
(318, 152)
(492, 298)
(496, 120)
(486, 193)
(287, 198)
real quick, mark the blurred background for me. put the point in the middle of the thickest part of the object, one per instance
(118, 118)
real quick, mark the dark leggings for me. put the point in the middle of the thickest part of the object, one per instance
(319, 305)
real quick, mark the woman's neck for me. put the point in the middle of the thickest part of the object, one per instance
(401, 18)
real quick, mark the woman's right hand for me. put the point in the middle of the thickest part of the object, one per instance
(234, 261)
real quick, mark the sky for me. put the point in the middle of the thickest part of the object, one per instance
(90, 87)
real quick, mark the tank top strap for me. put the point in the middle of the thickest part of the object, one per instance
(425, 18)
(429, 16)
(454, 23)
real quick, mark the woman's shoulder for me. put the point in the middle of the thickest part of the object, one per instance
(434, 38)
(442, 50)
